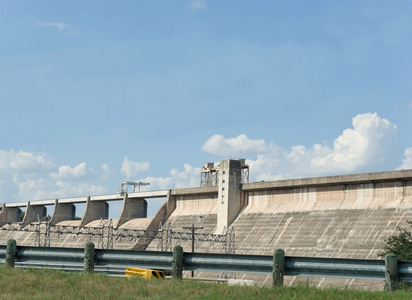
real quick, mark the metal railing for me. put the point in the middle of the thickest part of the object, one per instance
(107, 233)
(115, 262)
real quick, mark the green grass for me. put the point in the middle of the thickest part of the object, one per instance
(51, 284)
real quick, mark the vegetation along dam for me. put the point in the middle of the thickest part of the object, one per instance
(346, 216)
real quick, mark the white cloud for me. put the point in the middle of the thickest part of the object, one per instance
(370, 145)
(69, 173)
(371, 141)
(26, 176)
(238, 146)
(8, 190)
(106, 171)
(24, 161)
(407, 161)
(131, 168)
(190, 177)
(63, 27)
(196, 4)
(43, 188)
(35, 189)
(57, 25)
(410, 105)
(158, 183)
(67, 189)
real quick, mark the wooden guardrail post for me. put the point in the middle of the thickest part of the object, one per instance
(10, 253)
(89, 258)
(391, 272)
(278, 267)
(177, 263)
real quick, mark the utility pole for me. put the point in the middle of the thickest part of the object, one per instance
(193, 229)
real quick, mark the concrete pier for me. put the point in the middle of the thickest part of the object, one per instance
(33, 213)
(132, 209)
(63, 212)
(9, 214)
(95, 210)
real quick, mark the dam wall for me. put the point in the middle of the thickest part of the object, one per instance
(342, 219)
(337, 217)
(198, 210)
(347, 216)
(344, 216)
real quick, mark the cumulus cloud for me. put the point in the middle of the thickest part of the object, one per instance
(69, 173)
(189, 177)
(28, 176)
(407, 161)
(24, 161)
(45, 188)
(106, 171)
(36, 188)
(8, 189)
(159, 183)
(240, 145)
(372, 140)
(131, 168)
(79, 188)
(196, 4)
(370, 145)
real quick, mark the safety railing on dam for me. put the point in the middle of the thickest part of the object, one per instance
(279, 265)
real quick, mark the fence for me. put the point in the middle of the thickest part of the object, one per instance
(279, 265)
(106, 234)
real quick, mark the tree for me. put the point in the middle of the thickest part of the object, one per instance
(399, 244)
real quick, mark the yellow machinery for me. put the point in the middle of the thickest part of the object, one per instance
(145, 273)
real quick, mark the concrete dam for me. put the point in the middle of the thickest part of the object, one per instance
(347, 216)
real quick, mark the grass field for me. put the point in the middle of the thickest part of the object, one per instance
(51, 284)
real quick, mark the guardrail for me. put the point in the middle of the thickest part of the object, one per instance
(279, 265)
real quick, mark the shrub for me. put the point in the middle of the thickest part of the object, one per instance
(399, 244)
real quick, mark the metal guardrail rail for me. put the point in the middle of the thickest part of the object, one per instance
(228, 263)
(335, 267)
(294, 266)
(2, 254)
(115, 262)
(128, 258)
(72, 259)
(405, 271)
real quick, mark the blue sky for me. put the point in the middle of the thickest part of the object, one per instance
(96, 92)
